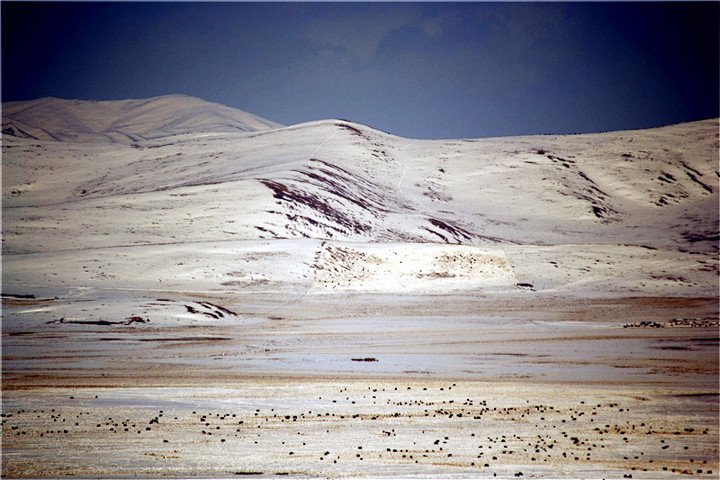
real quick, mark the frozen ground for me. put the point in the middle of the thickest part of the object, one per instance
(375, 427)
(215, 259)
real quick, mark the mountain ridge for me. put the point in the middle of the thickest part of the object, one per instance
(343, 181)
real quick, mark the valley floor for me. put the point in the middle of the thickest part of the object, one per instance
(334, 385)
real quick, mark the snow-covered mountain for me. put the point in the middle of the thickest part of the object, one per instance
(124, 120)
(335, 205)
(344, 181)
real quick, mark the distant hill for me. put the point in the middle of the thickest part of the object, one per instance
(124, 120)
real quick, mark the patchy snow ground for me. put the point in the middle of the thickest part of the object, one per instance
(410, 268)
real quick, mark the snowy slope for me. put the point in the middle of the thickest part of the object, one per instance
(342, 181)
(125, 120)
(241, 212)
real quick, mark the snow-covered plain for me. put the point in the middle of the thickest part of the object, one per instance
(173, 238)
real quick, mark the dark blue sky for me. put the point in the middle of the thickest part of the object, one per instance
(421, 70)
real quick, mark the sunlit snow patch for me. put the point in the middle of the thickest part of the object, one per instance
(410, 268)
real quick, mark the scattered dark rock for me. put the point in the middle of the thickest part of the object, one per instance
(12, 295)
(127, 321)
